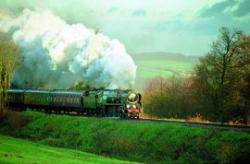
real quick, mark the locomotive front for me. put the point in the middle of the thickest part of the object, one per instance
(133, 105)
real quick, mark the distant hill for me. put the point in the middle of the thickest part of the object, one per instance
(164, 55)
(164, 64)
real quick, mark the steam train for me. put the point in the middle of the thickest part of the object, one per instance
(104, 103)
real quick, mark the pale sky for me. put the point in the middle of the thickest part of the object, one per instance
(178, 26)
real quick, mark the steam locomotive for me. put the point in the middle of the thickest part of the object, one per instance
(104, 103)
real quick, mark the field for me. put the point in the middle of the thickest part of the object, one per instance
(14, 150)
(152, 65)
(145, 142)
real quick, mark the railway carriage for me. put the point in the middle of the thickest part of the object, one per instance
(39, 99)
(66, 101)
(15, 98)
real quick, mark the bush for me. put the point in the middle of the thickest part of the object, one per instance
(169, 98)
(14, 121)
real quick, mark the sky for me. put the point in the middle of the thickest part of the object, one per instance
(176, 26)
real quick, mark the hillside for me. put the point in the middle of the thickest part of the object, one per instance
(161, 64)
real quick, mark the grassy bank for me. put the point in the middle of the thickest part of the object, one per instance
(14, 150)
(135, 141)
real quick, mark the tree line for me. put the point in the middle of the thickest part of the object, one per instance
(218, 89)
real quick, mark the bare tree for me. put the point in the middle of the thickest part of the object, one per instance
(218, 73)
(8, 57)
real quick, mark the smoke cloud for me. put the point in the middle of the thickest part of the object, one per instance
(55, 54)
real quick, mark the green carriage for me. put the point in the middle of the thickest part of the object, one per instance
(37, 99)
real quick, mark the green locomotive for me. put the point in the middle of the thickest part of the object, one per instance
(115, 103)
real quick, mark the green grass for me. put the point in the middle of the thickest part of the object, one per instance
(14, 150)
(129, 140)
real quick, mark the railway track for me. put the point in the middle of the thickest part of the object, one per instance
(198, 124)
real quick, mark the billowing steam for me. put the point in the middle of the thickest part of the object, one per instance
(56, 54)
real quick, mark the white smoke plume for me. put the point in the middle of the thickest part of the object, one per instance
(55, 54)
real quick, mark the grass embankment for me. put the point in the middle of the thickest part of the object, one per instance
(14, 150)
(135, 141)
